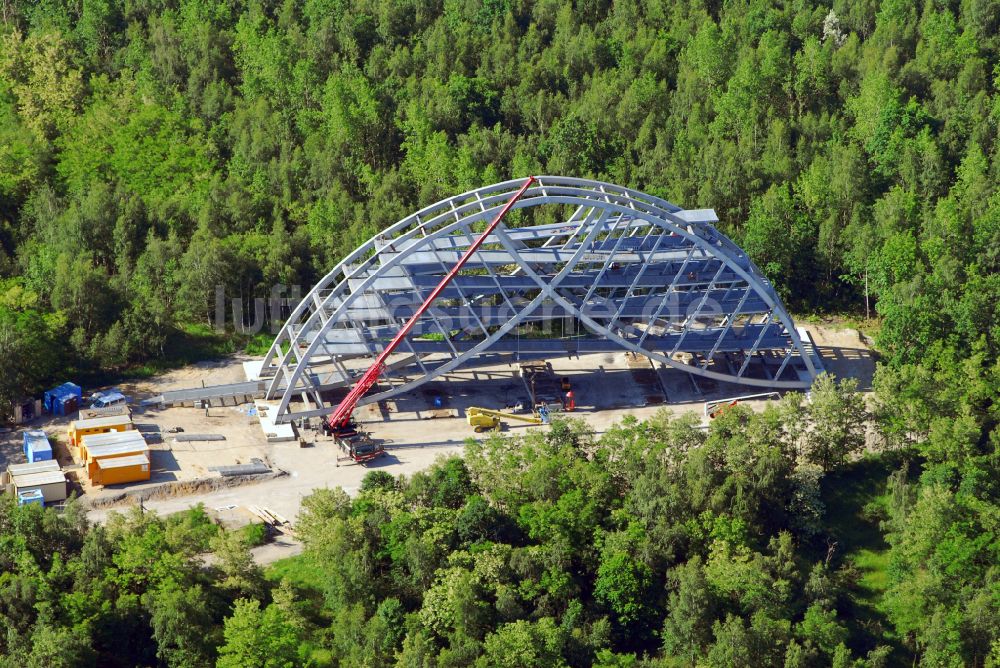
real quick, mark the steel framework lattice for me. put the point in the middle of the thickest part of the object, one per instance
(621, 270)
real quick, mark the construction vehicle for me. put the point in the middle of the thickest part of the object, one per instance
(358, 445)
(362, 449)
(107, 399)
(485, 419)
(342, 414)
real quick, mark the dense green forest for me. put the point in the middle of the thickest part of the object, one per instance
(659, 544)
(152, 149)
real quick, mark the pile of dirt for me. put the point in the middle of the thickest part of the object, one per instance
(179, 488)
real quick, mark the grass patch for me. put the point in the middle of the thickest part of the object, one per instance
(846, 493)
(196, 342)
(254, 534)
(855, 498)
(850, 495)
(301, 570)
(321, 657)
(259, 343)
(307, 579)
(874, 568)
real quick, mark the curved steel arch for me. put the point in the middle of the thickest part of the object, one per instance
(637, 272)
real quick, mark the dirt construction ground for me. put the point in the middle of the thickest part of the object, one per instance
(416, 433)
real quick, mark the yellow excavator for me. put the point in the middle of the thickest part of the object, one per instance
(484, 419)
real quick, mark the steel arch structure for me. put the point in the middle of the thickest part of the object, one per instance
(619, 270)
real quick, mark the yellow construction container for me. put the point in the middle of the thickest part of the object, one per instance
(98, 425)
(102, 453)
(132, 436)
(119, 470)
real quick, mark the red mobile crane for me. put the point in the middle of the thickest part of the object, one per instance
(340, 420)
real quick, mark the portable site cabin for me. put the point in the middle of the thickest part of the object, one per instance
(45, 476)
(32, 467)
(27, 409)
(52, 484)
(36, 445)
(98, 455)
(98, 425)
(132, 436)
(63, 400)
(114, 409)
(118, 470)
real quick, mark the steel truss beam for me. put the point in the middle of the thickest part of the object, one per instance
(634, 271)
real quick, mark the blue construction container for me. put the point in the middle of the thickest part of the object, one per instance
(36, 445)
(63, 400)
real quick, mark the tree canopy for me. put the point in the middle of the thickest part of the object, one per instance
(156, 150)
(152, 150)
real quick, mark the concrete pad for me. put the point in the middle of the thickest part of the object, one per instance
(251, 368)
(273, 432)
(844, 352)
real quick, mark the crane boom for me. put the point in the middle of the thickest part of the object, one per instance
(476, 410)
(484, 419)
(342, 414)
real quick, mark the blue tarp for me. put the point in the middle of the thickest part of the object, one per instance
(37, 446)
(63, 400)
(27, 496)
